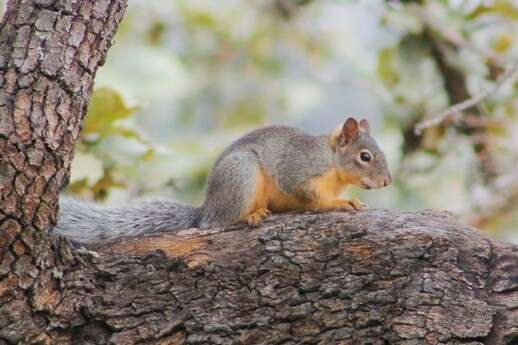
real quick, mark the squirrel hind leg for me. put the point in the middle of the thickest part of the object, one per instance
(257, 202)
(235, 190)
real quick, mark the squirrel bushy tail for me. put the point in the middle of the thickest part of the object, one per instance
(86, 222)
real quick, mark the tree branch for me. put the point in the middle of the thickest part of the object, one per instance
(453, 37)
(315, 278)
(456, 109)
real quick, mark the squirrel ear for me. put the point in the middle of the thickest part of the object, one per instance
(349, 131)
(364, 125)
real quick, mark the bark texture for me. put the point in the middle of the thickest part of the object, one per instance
(372, 277)
(49, 53)
(316, 278)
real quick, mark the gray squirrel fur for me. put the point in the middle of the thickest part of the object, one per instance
(85, 222)
(290, 156)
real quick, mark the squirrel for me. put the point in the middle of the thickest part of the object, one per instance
(270, 170)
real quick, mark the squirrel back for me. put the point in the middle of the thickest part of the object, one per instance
(269, 170)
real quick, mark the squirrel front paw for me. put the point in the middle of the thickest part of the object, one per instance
(357, 204)
(256, 218)
(353, 204)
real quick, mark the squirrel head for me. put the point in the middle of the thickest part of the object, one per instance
(357, 156)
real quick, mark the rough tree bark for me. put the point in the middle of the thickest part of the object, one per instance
(371, 277)
(49, 53)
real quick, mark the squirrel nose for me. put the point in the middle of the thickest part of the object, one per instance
(387, 181)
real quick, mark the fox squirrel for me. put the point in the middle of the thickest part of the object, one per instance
(273, 169)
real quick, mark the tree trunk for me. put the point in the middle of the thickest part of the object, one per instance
(49, 53)
(315, 278)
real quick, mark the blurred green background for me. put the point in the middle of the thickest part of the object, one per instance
(186, 78)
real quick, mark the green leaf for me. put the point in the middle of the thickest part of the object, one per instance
(149, 155)
(199, 18)
(156, 32)
(106, 107)
(502, 43)
(386, 69)
(245, 113)
(502, 8)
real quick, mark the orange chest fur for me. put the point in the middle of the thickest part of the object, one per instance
(331, 184)
(268, 195)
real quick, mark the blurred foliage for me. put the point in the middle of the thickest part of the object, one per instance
(449, 51)
(103, 122)
(186, 78)
(106, 108)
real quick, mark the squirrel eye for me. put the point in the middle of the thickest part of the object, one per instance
(365, 156)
